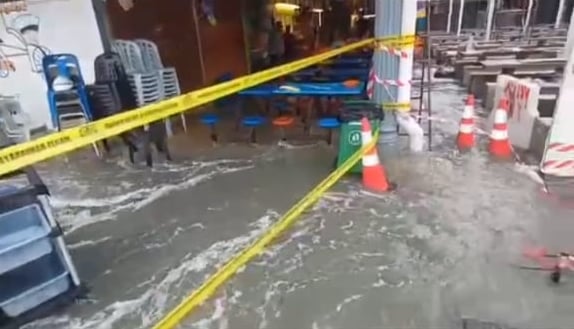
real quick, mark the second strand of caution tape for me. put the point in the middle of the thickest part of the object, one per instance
(227, 271)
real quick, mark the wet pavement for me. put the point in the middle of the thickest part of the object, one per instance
(441, 248)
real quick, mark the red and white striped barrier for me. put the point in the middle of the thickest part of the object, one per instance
(373, 78)
(560, 159)
(395, 51)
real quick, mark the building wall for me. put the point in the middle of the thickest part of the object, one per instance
(198, 50)
(223, 45)
(171, 26)
(65, 26)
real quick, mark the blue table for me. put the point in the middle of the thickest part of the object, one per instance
(321, 89)
(347, 61)
(314, 90)
(333, 89)
(263, 90)
(332, 74)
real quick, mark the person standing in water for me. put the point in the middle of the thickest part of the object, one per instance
(290, 44)
(276, 45)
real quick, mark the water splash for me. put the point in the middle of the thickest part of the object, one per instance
(167, 286)
(75, 213)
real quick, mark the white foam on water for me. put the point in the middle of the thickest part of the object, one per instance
(346, 301)
(216, 317)
(130, 201)
(530, 171)
(289, 146)
(85, 243)
(176, 232)
(335, 202)
(78, 191)
(381, 196)
(110, 201)
(163, 295)
(348, 226)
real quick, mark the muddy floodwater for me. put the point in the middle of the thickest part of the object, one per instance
(443, 247)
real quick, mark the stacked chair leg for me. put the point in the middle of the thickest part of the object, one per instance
(169, 83)
(145, 86)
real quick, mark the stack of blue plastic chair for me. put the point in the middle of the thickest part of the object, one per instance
(36, 272)
(113, 93)
(67, 95)
(14, 122)
(105, 101)
(146, 84)
(167, 75)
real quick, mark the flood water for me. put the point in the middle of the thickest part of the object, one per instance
(441, 248)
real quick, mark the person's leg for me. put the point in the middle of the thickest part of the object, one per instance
(273, 60)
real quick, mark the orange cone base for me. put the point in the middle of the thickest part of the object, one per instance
(500, 149)
(465, 141)
(375, 179)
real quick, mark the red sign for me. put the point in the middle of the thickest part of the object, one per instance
(517, 95)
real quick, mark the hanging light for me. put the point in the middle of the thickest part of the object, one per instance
(288, 9)
(126, 4)
(28, 25)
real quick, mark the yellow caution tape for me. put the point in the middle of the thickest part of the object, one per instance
(226, 272)
(19, 156)
(402, 41)
(400, 107)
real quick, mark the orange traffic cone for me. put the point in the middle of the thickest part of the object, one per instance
(374, 176)
(465, 138)
(499, 144)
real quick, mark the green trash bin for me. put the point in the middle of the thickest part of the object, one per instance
(350, 140)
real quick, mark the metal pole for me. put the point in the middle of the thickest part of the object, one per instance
(387, 21)
(405, 75)
(408, 25)
(460, 15)
(528, 15)
(559, 14)
(448, 22)
(489, 19)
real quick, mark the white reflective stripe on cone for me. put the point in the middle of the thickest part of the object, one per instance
(370, 160)
(468, 112)
(499, 135)
(367, 137)
(466, 129)
(500, 116)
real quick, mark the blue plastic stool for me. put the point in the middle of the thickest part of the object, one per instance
(253, 122)
(210, 120)
(329, 124)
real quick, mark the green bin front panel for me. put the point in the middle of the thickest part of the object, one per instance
(350, 141)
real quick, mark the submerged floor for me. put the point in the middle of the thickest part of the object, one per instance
(439, 249)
